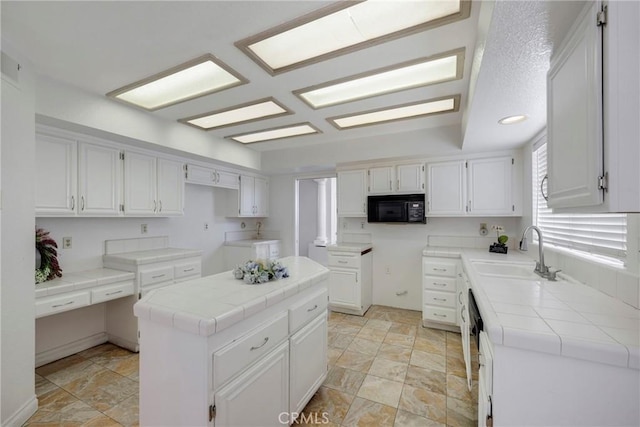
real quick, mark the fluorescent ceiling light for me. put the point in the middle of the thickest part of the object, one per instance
(398, 112)
(244, 113)
(276, 133)
(510, 120)
(344, 27)
(421, 72)
(199, 77)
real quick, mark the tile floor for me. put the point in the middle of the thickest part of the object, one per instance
(384, 370)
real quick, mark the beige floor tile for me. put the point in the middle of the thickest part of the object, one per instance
(60, 365)
(330, 404)
(104, 421)
(340, 341)
(381, 390)
(60, 407)
(388, 369)
(395, 353)
(456, 366)
(125, 412)
(372, 334)
(356, 361)
(103, 390)
(424, 403)
(429, 345)
(333, 354)
(427, 379)
(106, 353)
(383, 325)
(78, 371)
(364, 413)
(400, 340)
(423, 359)
(347, 328)
(460, 413)
(353, 320)
(457, 387)
(44, 386)
(346, 380)
(364, 346)
(122, 365)
(433, 334)
(407, 419)
(403, 329)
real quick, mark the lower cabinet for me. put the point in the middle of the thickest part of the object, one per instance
(259, 395)
(440, 293)
(350, 281)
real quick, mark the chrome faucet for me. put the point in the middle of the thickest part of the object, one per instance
(541, 269)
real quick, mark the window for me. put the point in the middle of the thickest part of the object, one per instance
(600, 235)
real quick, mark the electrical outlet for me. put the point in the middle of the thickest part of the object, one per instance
(387, 269)
(206, 226)
(143, 229)
(66, 243)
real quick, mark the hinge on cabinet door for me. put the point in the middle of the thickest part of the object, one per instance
(122, 155)
(139, 295)
(512, 161)
(513, 208)
(466, 164)
(121, 208)
(601, 17)
(603, 182)
(212, 412)
(422, 168)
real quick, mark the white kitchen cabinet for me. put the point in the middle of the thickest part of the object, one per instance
(240, 251)
(446, 188)
(56, 175)
(259, 395)
(489, 189)
(593, 106)
(485, 382)
(410, 178)
(253, 197)
(152, 186)
(381, 179)
(440, 293)
(463, 321)
(308, 361)
(99, 180)
(352, 195)
(212, 177)
(350, 281)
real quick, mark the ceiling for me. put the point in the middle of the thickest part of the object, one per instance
(102, 46)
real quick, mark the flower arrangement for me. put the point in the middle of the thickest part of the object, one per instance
(46, 248)
(500, 247)
(259, 271)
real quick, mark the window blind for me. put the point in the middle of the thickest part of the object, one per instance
(597, 234)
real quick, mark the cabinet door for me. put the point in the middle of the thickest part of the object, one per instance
(99, 180)
(170, 187)
(139, 184)
(259, 395)
(247, 189)
(351, 193)
(574, 116)
(344, 289)
(261, 197)
(489, 186)
(56, 175)
(380, 180)
(446, 188)
(308, 362)
(200, 175)
(227, 179)
(410, 178)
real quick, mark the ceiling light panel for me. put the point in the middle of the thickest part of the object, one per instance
(276, 133)
(244, 113)
(344, 27)
(448, 104)
(417, 73)
(199, 77)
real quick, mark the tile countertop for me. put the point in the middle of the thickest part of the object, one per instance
(151, 256)
(350, 247)
(248, 242)
(565, 317)
(211, 304)
(81, 280)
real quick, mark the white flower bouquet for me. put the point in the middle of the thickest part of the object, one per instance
(259, 271)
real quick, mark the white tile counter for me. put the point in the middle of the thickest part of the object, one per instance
(350, 247)
(150, 256)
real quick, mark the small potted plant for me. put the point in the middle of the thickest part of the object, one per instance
(501, 246)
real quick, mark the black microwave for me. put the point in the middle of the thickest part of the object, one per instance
(396, 208)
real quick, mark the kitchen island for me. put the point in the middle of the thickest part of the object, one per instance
(217, 350)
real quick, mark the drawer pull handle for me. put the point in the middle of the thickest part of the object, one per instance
(401, 293)
(186, 270)
(158, 276)
(311, 309)
(439, 299)
(439, 315)
(439, 269)
(62, 305)
(439, 284)
(114, 293)
(261, 345)
(342, 262)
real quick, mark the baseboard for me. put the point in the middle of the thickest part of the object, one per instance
(124, 343)
(23, 414)
(68, 349)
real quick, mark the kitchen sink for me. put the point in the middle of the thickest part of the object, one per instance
(506, 270)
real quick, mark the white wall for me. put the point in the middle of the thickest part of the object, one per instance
(17, 275)
(308, 212)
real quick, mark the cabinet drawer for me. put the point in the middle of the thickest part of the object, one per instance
(238, 355)
(439, 283)
(439, 268)
(113, 291)
(444, 299)
(187, 269)
(439, 314)
(274, 251)
(158, 275)
(305, 310)
(344, 260)
(60, 303)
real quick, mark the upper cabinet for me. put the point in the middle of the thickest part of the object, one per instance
(99, 180)
(213, 177)
(474, 187)
(396, 179)
(56, 175)
(253, 198)
(381, 179)
(593, 107)
(352, 195)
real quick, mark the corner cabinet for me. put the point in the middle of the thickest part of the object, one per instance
(593, 106)
(352, 195)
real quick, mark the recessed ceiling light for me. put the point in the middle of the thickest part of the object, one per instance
(276, 133)
(198, 77)
(509, 120)
(345, 27)
(407, 75)
(244, 113)
(399, 112)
